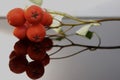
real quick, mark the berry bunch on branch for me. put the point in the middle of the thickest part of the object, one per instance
(30, 23)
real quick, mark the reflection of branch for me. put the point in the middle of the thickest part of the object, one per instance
(99, 42)
(89, 46)
(55, 51)
(72, 44)
(69, 40)
(70, 55)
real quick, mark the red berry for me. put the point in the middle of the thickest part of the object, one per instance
(16, 17)
(47, 19)
(20, 32)
(36, 33)
(33, 14)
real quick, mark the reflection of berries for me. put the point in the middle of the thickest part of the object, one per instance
(35, 70)
(47, 43)
(16, 17)
(46, 60)
(12, 55)
(21, 46)
(36, 33)
(18, 64)
(33, 14)
(36, 52)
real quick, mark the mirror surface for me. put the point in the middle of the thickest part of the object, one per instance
(101, 64)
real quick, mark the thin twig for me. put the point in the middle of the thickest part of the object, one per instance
(65, 15)
(68, 56)
(108, 19)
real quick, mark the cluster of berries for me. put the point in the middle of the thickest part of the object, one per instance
(34, 68)
(30, 23)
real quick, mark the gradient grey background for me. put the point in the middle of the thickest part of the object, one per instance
(96, 65)
(86, 8)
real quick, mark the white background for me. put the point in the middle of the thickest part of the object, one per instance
(84, 8)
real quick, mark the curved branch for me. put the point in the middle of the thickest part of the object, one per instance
(68, 56)
(80, 20)
(65, 15)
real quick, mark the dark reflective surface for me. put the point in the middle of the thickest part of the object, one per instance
(61, 64)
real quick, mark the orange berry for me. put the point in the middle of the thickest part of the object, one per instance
(20, 32)
(36, 33)
(16, 17)
(47, 19)
(33, 14)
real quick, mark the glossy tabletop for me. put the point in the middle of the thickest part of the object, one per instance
(100, 64)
